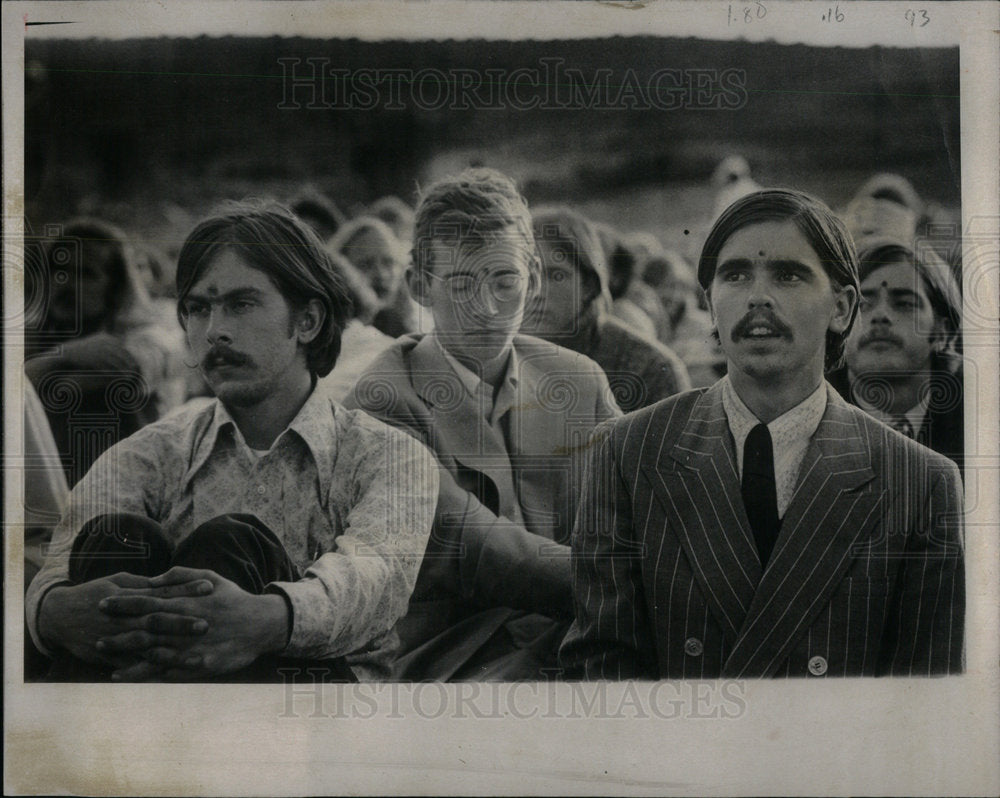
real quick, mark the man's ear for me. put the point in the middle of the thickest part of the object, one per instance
(846, 299)
(534, 278)
(711, 310)
(419, 285)
(534, 284)
(310, 321)
(942, 339)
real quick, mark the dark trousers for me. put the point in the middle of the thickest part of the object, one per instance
(238, 547)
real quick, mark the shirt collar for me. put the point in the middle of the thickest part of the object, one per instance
(312, 424)
(470, 380)
(803, 419)
(916, 415)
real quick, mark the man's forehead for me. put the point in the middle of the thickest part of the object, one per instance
(769, 240)
(899, 276)
(504, 248)
(229, 271)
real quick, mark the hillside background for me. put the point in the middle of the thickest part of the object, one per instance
(151, 132)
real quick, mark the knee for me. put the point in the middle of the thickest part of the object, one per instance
(116, 542)
(228, 527)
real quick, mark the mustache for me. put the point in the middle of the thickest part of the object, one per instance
(220, 355)
(755, 318)
(874, 335)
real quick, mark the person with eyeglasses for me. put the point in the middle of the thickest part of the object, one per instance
(507, 416)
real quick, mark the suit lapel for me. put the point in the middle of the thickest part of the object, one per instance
(827, 516)
(698, 485)
(460, 429)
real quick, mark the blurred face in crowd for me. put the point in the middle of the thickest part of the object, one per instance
(81, 283)
(244, 333)
(673, 294)
(896, 326)
(773, 303)
(556, 309)
(476, 294)
(379, 259)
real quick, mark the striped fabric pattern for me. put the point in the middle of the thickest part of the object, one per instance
(866, 578)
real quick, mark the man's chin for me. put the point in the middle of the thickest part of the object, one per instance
(481, 346)
(883, 368)
(236, 394)
(761, 365)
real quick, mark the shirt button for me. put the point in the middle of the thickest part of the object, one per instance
(817, 666)
(693, 647)
(261, 489)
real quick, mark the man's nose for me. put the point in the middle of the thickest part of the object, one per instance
(879, 309)
(217, 329)
(487, 298)
(760, 293)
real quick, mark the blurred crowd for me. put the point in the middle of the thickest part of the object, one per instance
(103, 344)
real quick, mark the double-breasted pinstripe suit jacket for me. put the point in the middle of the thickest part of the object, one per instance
(866, 577)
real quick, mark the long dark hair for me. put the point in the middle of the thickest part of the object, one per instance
(825, 233)
(270, 238)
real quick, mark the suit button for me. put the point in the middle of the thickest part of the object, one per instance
(693, 647)
(817, 666)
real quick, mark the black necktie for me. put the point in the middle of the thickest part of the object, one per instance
(760, 495)
(902, 424)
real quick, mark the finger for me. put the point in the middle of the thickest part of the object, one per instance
(141, 671)
(178, 574)
(174, 659)
(126, 642)
(132, 605)
(197, 587)
(127, 580)
(167, 623)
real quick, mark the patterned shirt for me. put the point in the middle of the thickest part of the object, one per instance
(351, 499)
(790, 436)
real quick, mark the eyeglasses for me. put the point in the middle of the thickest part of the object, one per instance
(504, 286)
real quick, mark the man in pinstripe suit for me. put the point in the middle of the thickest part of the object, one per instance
(762, 526)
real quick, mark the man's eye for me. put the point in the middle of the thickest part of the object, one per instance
(195, 309)
(789, 277)
(905, 304)
(463, 285)
(734, 276)
(506, 281)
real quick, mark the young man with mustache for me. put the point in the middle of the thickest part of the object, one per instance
(268, 529)
(902, 358)
(764, 527)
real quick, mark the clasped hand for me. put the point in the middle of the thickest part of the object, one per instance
(182, 625)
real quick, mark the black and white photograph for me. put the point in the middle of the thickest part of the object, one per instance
(501, 397)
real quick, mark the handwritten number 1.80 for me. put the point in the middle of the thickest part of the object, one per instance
(750, 12)
(918, 18)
